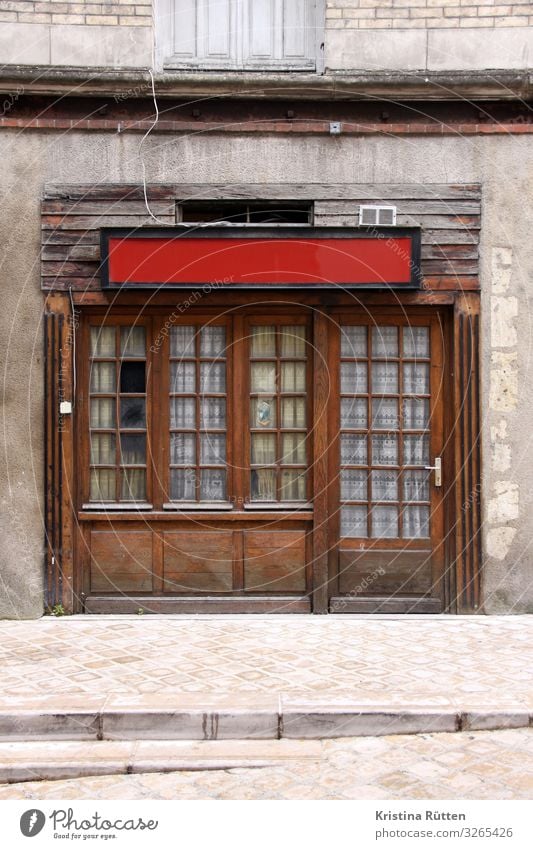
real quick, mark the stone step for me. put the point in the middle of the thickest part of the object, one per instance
(37, 761)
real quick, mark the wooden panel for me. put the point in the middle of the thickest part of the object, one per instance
(199, 604)
(121, 561)
(198, 561)
(370, 572)
(274, 561)
(341, 604)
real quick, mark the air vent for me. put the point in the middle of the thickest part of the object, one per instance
(383, 216)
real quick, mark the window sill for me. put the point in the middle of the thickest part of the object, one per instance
(190, 506)
(112, 506)
(278, 505)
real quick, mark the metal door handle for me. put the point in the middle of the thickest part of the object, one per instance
(437, 468)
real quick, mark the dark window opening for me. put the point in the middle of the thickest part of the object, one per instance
(256, 212)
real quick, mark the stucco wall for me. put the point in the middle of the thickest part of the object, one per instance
(504, 165)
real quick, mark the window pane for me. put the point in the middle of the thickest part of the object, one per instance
(384, 486)
(182, 412)
(103, 377)
(384, 378)
(353, 342)
(263, 341)
(292, 341)
(182, 485)
(102, 412)
(132, 412)
(385, 414)
(416, 341)
(354, 378)
(353, 449)
(212, 341)
(416, 413)
(384, 522)
(384, 450)
(103, 449)
(103, 341)
(354, 412)
(384, 341)
(293, 412)
(263, 484)
(182, 377)
(416, 378)
(263, 412)
(292, 485)
(102, 485)
(293, 377)
(182, 341)
(263, 377)
(133, 485)
(182, 449)
(213, 377)
(263, 449)
(213, 484)
(416, 522)
(354, 485)
(353, 521)
(133, 341)
(212, 449)
(416, 450)
(293, 448)
(415, 485)
(133, 449)
(213, 412)
(132, 377)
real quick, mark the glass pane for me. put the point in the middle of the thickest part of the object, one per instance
(182, 341)
(416, 522)
(416, 378)
(353, 449)
(416, 450)
(416, 341)
(132, 377)
(384, 450)
(103, 449)
(263, 342)
(213, 412)
(293, 448)
(213, 449)
(182, 485)
(384, 341)
(263, 377)
(102, 485)
(133, 485)
(103, 377)
(384, 378)
(384, 522)
(385, 414)
(213, 377)
(212, 341)
(354, 412)
(182, 412)
(102, 412)
(354, 485)
(133, 341)
(263, 412)
(416, 413)
(353, 522)
(182, 377)
(292, 341)
(213, 485)
(103, 342)
(353, 341)
(384, 486)
(293, 412)
(293, 377)
(263, 483)
(292, 485)
(182, 449)
(263, 449)
(133, 449)
(132, 412)
(354, 378)
(415, 485)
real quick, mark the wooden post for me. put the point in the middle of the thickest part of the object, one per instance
(321, 390)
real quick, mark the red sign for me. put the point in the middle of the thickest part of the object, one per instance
(261, 257)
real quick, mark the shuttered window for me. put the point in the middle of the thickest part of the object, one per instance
(239, 34)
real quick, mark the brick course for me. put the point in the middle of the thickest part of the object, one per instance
(129, 12)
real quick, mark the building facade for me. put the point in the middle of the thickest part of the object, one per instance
(266, 316)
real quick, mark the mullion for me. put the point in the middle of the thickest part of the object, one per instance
(118, 443)
(199, 400)
(278, 410)
(401, 454)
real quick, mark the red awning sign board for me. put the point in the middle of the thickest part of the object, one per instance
(241, 257)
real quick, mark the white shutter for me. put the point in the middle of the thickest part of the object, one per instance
(297, 25)
(259, 29)
(184, 26)
(217, 31)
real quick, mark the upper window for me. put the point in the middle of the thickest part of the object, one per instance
(238, 34)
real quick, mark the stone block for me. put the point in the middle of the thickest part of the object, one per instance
(503, 49)
(24, 44)
(367, 50)
(101, 46)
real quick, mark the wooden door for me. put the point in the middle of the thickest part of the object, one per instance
(386, 501)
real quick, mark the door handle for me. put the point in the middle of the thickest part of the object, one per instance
(437, 468)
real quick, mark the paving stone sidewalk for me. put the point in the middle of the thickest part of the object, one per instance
(462, 662)
(479, 765)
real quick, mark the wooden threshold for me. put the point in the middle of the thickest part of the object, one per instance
(382, 604)
(198, 604)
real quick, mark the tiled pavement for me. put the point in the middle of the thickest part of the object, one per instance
(480, 765)
(458, 661)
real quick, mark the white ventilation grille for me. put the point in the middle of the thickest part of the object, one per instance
(384, 216)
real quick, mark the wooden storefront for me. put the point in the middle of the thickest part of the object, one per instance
(262, 449)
